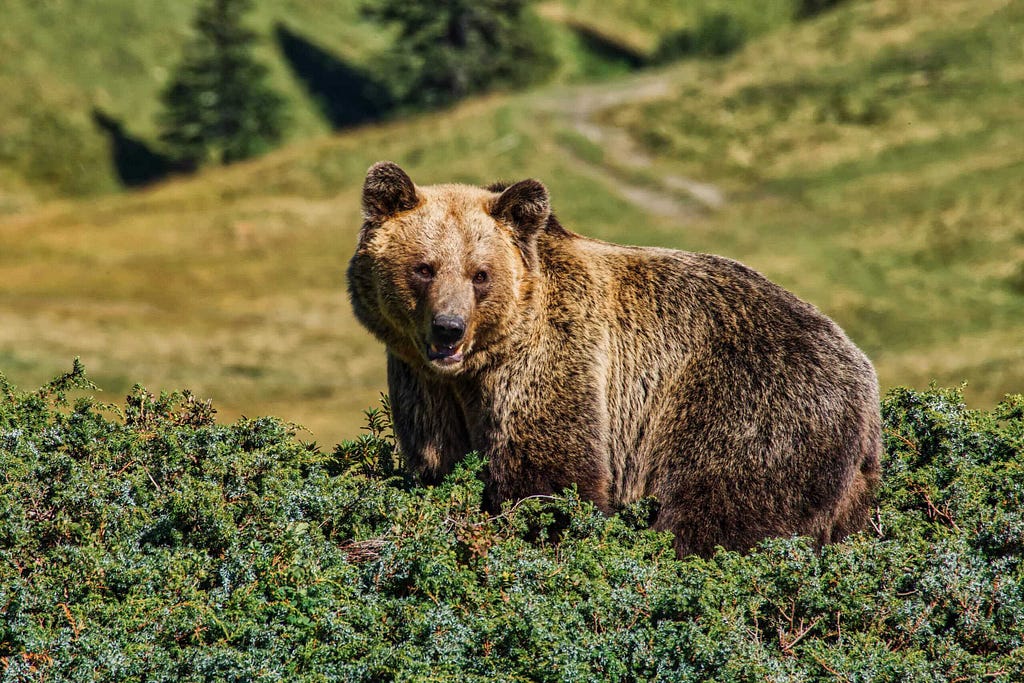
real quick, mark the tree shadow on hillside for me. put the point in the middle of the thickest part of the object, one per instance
(808, 9)
(607, 50)
(135, 162)
(346, 94)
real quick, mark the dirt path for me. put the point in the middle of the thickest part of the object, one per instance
(674, 196)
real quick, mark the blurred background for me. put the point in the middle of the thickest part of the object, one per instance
(179, 182)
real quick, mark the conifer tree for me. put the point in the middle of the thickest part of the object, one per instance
(218, 105)
(448, 49)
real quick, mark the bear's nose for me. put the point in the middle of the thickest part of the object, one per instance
(448, 329)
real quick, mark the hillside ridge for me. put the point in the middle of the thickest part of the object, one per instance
(869, 161)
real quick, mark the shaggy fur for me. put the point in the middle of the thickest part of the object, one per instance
(627, 371)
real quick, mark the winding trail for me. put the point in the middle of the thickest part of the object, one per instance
(673, 196)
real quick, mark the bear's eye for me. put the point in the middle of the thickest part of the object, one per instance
(480, 277)
(425, 271)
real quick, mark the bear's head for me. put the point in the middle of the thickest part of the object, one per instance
(443, 274)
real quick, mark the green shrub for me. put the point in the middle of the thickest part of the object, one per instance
(446, 51)
(147, 542)
(809, 8)
(218, 104)
(717, 34)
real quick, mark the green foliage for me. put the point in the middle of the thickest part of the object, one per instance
(42, 155)
(444, 51)
(150, 543)
(218, 104)
(800, 127)
(717, 29)
(717, 34)
(115, 56)
(809, 8)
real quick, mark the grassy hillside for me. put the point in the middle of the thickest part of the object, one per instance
(874, 160)
(87, 76)
(74, 58)
(232, 283)
(644, 26)
(868, 158)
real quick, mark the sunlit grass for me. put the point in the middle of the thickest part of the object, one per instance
(873, 158)
(870, 157)
(232, 283)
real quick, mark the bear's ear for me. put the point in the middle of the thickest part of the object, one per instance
(525, 205)
(387, 191)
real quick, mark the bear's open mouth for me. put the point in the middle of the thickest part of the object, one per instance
(445, 354)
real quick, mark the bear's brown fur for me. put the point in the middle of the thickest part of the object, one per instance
(627, 371)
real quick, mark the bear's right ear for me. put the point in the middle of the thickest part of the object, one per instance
(387, 190)
(525, 205)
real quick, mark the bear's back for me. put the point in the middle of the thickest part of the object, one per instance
(714, 374)
(683, 301)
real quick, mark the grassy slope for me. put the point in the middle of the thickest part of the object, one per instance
(643, 25)
(873, 156)
(116, 55)
(907, 230)
(232, 283)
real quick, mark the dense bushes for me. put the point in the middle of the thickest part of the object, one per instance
(146, 542)
(445, 51)
(716, 35)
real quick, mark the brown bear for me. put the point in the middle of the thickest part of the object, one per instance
(629, 372)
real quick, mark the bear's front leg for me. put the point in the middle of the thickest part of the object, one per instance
(544, 439)
(429, 424)
(523, 469)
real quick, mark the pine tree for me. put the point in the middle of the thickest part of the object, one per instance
(218, 105)
(448, 49)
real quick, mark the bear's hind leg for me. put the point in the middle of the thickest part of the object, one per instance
(854, 508)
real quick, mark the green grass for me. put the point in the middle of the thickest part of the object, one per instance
(116, 57)
(643, 25)
(874, 160)
(232, 282)
(870, 158)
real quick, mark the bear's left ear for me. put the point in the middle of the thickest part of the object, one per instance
(525, 206)
(387, 190)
